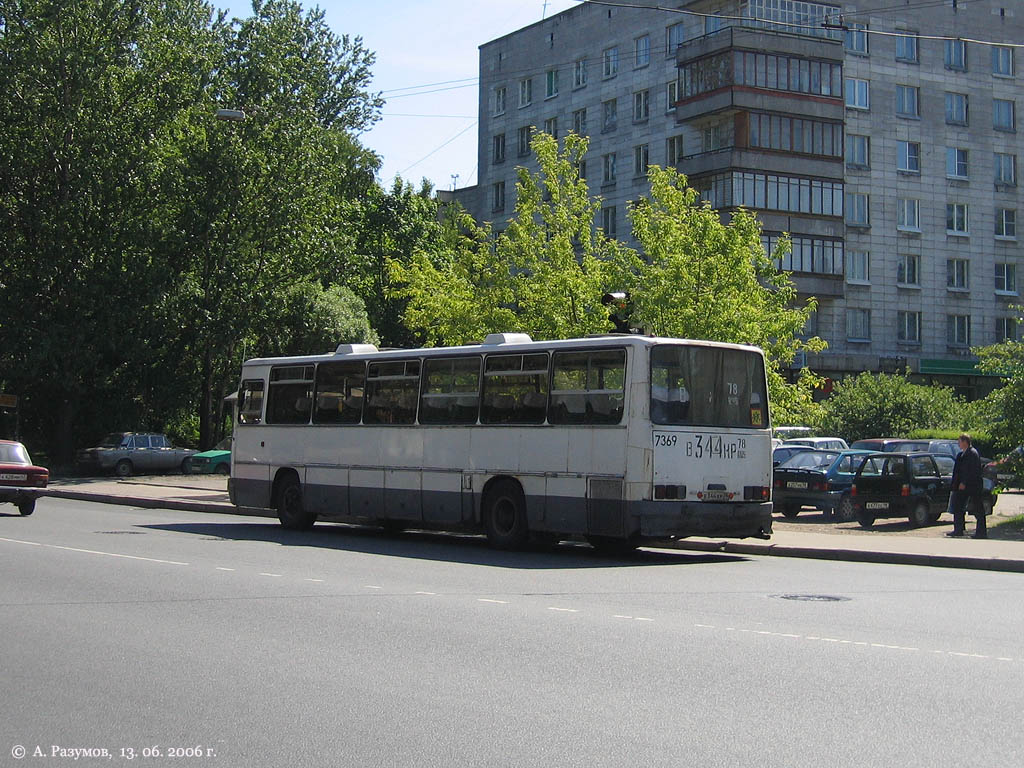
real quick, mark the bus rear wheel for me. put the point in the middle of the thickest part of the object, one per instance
(504, 516)
(289, 505)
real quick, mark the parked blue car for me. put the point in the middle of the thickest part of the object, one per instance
(817, 479)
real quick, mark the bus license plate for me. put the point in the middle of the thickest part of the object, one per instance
(877, 505)
(797, 485)
(9, 476)
(716, 496)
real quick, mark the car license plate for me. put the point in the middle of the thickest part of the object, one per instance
(11, 476)
(877, 505)
(796, 485)
(716, 496)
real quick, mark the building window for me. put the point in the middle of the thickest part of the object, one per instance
(498, 196)
(958, 330)
(551, 127)
(524, 141)
(857, 39)
(610, 62)
(858, 325)
(857, 93)
(1005, 168)
(499, 101)
(581, 169)
(908, 270)
(525, 92)
(858, 267)
(609, 169)
(552, 83)
(1006, 278)
(673, 149)
(608, 221)
(641, 159)
(908, 214)
(759, 70)
(715, 137)
(610, 116)
(957, 274)
(956, 108)
(641, 106)
(675, 36)
(807, 254)
(1006, 223)
(811, 16)
(956, 163)
(907, 101)
(579, 73)
(1002, 61)
(908, 327)
(956, 219)
(642, 51)
(772, 192)
(793, 134)
(857, 209)
(498, 149)
(1006, 329)
(857, 151)
(955, 55)
(906, 48)
(671, 95)
(908, 156)
(1004, 115)
(579, 122)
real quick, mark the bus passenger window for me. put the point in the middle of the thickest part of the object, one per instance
(588, 387)
(250, 401)
(339, 392)
(391, 392)
(451, 390)
(515, 389)
(290, 398)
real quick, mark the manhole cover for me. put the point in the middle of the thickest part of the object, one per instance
(117, 532)
(815, 598)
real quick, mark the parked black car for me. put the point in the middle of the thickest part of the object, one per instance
(910, 485)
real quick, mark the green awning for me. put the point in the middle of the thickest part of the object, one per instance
(952, 367)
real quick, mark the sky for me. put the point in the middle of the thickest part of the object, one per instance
(426, 45)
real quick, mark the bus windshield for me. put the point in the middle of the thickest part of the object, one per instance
(708, 386)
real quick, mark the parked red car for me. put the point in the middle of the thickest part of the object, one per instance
(20, 479)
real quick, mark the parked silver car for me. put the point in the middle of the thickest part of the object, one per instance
(131, 453)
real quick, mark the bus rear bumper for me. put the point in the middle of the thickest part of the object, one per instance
(677, 520)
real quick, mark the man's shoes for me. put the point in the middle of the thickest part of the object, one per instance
(955, 534)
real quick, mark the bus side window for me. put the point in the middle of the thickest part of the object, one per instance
(290, 399)
(515, 389)
(339, 392)
(451, 390)
(588, 387)
(391, 392)
(250, 402)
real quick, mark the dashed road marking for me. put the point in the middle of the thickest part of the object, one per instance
(318, 581)
(222, 568)
(563, 610)
(424, 593)
(96, 552)
(371, 586)
(489, 600)
(270, 574)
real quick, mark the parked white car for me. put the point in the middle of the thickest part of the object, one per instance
(820, 443)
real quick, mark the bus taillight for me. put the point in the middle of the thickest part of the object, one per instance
(758, 492)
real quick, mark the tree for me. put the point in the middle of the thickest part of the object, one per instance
(1003, 408)
(91, 98)
(878, 405)
(311, 319)
(706, 279)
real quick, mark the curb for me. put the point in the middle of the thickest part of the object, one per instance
(730, 547)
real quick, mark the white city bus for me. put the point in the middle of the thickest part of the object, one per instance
(622, 439)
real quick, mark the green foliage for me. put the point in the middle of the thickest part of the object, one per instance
(1003, 409)
(980, 438)
(705, 279)
(311, 319)
(887, 405)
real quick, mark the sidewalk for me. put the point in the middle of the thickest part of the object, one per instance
(208, 493)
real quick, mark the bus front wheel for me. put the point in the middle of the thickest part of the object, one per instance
(504, 516)
(289, 505)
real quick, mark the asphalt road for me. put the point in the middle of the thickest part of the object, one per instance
(129, 629)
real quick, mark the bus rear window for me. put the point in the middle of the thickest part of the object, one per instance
(708, 386)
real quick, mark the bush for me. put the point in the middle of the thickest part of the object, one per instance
(887, 405)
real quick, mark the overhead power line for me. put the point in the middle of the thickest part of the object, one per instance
(438, 148)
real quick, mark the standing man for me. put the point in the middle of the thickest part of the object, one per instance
(967, 486)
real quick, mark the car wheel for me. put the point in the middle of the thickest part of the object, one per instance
(845, 512)
(223, 469)
(790, 510)
(186, 466)
(289, 505)
(919, 515)
(504, 516)
(123, 468)
(27, 507)
(864, 519)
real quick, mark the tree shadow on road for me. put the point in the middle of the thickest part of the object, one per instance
(448, 547)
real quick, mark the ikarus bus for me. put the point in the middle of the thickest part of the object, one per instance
(622, 439)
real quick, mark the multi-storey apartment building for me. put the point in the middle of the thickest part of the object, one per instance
(888, 153)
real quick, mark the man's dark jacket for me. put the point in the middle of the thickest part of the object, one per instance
(967, 470)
